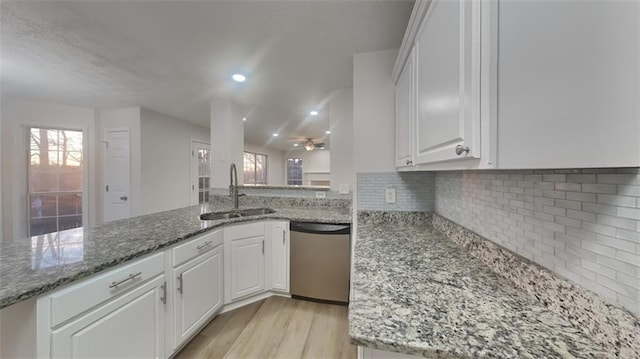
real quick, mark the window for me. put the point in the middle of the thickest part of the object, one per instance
(255, 168)
(54, 180)
(200, 172)
(294, 171)
(204, 171)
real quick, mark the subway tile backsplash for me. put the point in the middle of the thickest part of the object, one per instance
(583, 224)
(414, 191)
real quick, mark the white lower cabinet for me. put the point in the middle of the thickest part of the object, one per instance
(131, 325)
(150, 307)
(279, 256)
(198, 292)
(245, 253)
(119, 313)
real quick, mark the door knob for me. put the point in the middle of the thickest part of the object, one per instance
(460, 149)
(124, 198)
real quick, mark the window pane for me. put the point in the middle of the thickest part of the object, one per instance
(294, 171)
(249, 168)
(69, 211)
(43, 214)
(204, 159)
(261, 169)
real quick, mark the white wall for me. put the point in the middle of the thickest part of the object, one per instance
(227, 141)
(118, 118)
(275, 163)
(374, 111)
(166, 161)
(341, 125)
(17, 115)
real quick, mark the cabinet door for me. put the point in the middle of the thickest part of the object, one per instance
(129, 326)
(280, 256)
(448, 86)
(405, 111)
(198, 290)
(246, 266)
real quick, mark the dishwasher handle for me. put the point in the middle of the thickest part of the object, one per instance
(320, 228)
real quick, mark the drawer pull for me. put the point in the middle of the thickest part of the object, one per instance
(207, 243)
(130, 277)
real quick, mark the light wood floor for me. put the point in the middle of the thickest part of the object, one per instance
(276, 327)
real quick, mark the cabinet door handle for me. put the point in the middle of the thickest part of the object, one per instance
(263, 246)
(207, 243)
(284, 236)
(163, 296)
(409, 162)
(130, 277)
(460, 149)
(180, 283)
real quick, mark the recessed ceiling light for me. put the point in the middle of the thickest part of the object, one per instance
(313, 113)
(327, 132)
(295, 145)
(239, 78)
(275, 135)
(244, 119)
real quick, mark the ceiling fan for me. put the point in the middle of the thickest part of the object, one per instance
(309, 144)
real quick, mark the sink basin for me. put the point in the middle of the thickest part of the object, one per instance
(212, 216)
(255, 211)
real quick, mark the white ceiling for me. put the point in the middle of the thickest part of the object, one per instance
(174, 57)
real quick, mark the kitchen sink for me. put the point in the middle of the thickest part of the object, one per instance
(255, 211)
(212, 216)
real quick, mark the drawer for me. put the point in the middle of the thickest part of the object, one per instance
(69, 302)
(195, 247)
(247, 230)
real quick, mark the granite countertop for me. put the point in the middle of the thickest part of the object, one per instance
(416, 292)
(36, 265)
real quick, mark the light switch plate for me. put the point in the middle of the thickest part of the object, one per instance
(320, 194)
(344, 188)
(390, 195)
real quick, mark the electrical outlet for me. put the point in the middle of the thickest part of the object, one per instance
(344, 188)
(320, 194)
(390, 195)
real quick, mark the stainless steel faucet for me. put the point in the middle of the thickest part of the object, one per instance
(233, 186)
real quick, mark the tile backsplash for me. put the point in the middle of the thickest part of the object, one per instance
(582, 224)
(414, 191)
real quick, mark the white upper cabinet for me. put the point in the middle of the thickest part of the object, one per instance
(569, 84)
(520, 84)
(405, 114)
(447, 83)
(438, 90)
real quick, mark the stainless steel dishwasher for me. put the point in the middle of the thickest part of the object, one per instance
(320, 261)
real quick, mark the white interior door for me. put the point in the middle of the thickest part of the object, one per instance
(117, 169)
(200, 171)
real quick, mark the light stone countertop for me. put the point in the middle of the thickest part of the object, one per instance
(416, 292)
(32, 266)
